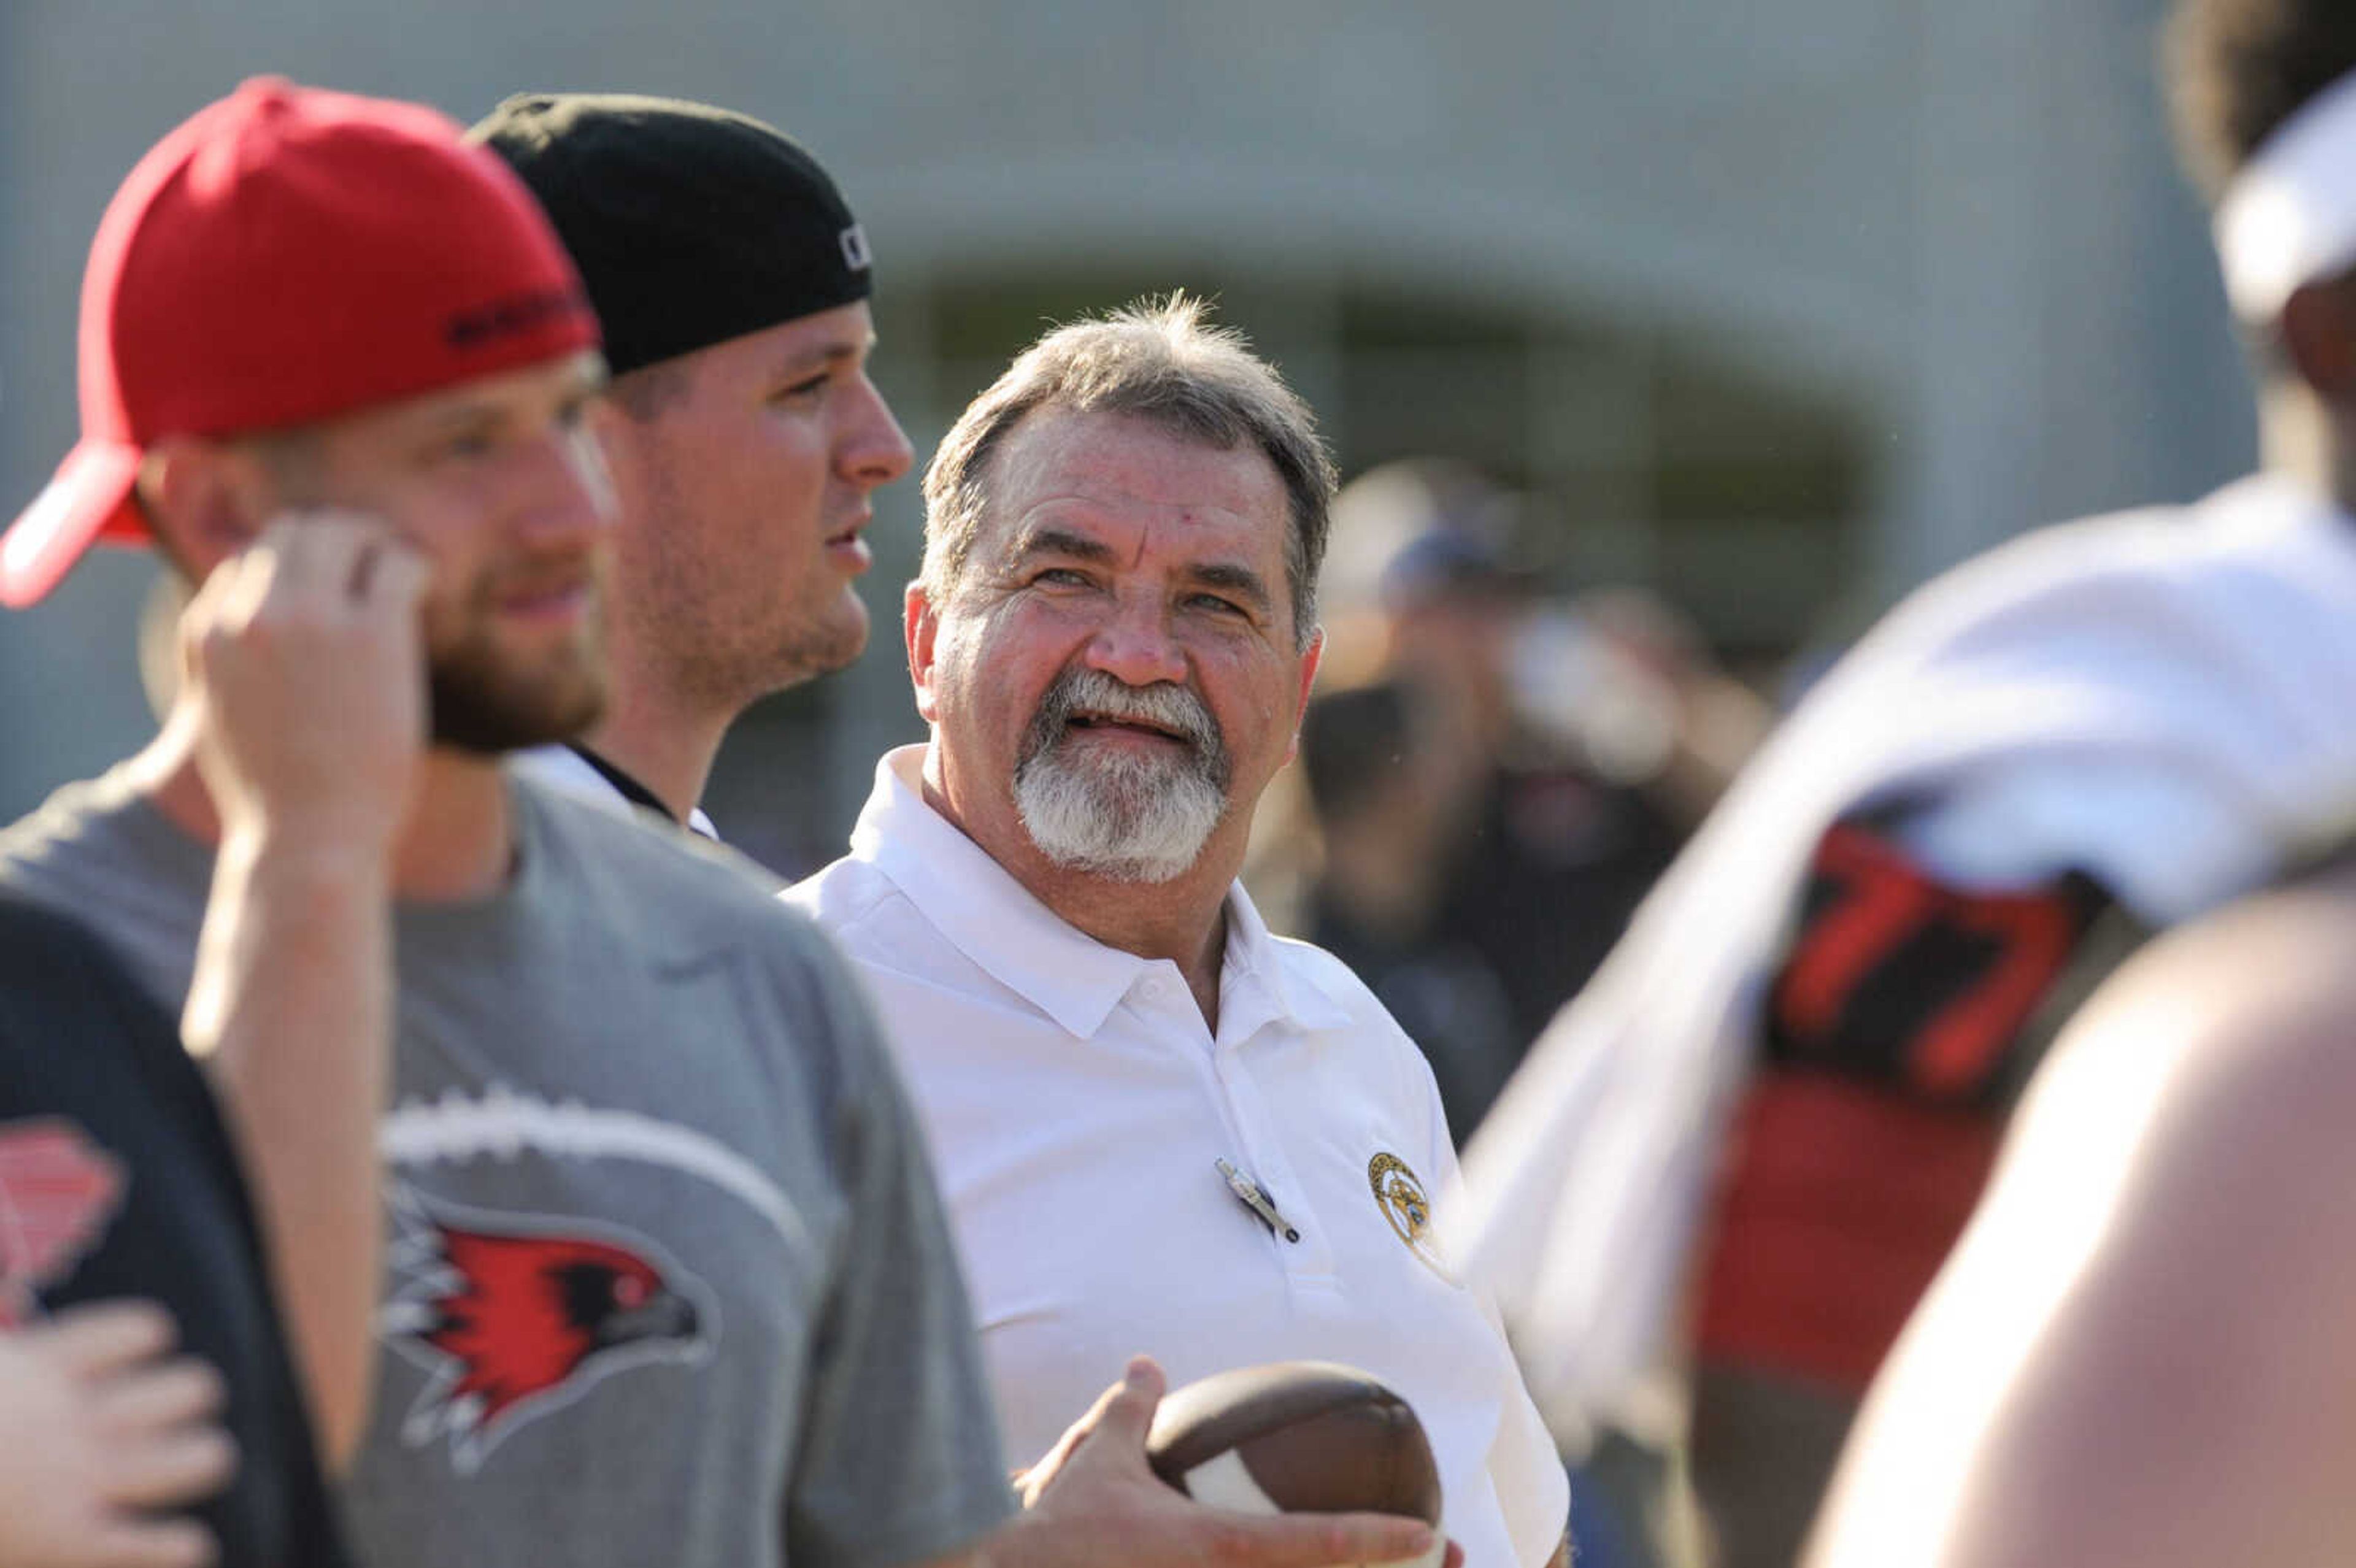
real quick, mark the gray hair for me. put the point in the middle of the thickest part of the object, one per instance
(1156, 361)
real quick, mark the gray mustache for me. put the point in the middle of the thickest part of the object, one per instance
(1163, 705)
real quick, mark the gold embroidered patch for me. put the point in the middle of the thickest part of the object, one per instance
(1405, 1205)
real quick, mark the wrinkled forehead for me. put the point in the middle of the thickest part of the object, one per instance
(1122, 470)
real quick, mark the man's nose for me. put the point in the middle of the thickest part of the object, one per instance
(1134, 646)
(876, 449)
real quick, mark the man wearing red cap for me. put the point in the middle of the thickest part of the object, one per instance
(668, 1280)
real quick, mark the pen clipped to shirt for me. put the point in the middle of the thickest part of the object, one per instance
(1255, 1198)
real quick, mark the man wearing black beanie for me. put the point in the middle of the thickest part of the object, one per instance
(745, 440)
(743, 434)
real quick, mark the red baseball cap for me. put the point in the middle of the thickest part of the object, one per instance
(286, 256)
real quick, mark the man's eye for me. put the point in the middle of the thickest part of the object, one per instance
(1215, 603)
(1063, 577)
(809, 387)
(463, 448)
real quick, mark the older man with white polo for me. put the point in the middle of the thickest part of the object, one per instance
(1158, 1127)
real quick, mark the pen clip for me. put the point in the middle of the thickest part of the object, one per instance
(1256, 1199)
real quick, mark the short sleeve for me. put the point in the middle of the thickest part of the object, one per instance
(898, 1459)
(106, 1119)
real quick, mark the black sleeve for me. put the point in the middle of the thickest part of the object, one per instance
(113, 1150)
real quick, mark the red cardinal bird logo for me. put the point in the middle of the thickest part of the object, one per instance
(58, 1192)
(515, 1315)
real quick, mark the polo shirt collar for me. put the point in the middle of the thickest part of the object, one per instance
(985, 913)
(1027, 947)
(1258, 987)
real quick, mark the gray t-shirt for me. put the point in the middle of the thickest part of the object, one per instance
(667, 1279)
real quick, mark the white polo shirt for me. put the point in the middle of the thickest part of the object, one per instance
(1078, 1107)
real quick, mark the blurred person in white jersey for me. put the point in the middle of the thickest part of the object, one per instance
(2139, 1352)
(2097, 731)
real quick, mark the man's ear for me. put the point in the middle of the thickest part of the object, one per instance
(2317, 329)
(920, 624)
(1310, 659)
(207, 500)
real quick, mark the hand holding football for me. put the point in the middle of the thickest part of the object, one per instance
(1296, 1437)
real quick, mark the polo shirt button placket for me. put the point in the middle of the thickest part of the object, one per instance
(1308, 1261)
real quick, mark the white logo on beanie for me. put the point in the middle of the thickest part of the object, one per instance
(855, 249)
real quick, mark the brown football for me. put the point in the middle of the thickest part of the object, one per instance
(1296, 1437)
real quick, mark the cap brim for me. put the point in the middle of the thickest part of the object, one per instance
(89, 498)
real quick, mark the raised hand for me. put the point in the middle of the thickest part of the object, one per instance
(307, 671)
(303, 651)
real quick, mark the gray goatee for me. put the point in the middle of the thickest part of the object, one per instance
(1118, 813)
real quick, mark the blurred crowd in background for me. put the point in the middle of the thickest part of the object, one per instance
(1492, 772)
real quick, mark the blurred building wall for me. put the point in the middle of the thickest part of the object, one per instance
(1951, 232)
